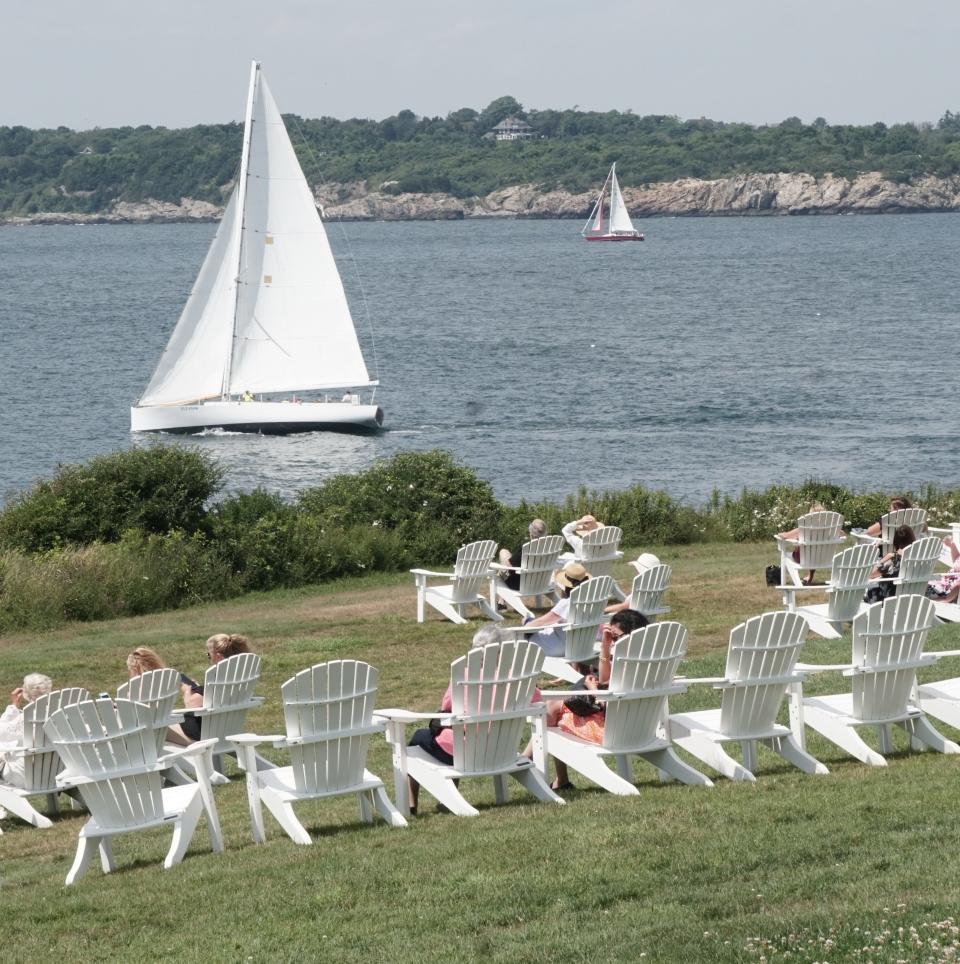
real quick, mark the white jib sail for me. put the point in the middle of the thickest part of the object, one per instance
(620, 222)
(293, 325)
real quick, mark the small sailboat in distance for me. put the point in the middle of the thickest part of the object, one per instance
(267, 316)
(619, 226)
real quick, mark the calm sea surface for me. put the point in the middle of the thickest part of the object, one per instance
(718, 354)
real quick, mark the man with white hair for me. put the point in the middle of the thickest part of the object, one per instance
(11, 725)
(511, 578)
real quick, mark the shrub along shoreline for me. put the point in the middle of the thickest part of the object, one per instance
(142, 530)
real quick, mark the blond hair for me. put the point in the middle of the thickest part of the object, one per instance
(142, 660)
(225, 645)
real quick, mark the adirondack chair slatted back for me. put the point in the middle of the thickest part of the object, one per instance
(498, 678)
(600, 550)
(112, 743)
(646, 594)
(644, 662)
(917, 564)
(335, 699)
(761, 658)
(914, 517)
(888, 638)
(849, 575)
(472, 570)
(228, 687)
(157, 689)
(820, 535)
(587, 603)
(41, 767)
(538, 562)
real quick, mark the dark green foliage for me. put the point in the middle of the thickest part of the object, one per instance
(86, 171)
(432, 504)
(153, 490)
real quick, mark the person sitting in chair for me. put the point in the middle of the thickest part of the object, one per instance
(889, 566)
(896, 503)
(219, 646)
(551, 640)
(574, 531)
(511, 578)
(34, 686)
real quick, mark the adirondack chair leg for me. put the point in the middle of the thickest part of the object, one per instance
(514, 601)
(53, 803)
(538, 745)
(500, 789)
(884, 739)
(204, 771)
(792, 752)
(366, 806)
(714, 756)
(448, 610)
(253, 802)
(107, 863)
(441, 787)
(667, 762)
(533, 782)
(585, 760)
(796, 716)
(489, 611)
(21, 808)
(283, 813)
(386, 809)
(923, 731)
(749, 750)
(821, 626)
(183, 832)
(86, 848)
(844, 736)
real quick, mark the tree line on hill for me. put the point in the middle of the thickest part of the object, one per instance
(86, 171)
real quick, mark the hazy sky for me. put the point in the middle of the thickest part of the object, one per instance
(181, 62)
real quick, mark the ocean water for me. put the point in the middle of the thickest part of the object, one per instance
(720, 353)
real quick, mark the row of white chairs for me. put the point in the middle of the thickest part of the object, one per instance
(113, 758)
(475, 580)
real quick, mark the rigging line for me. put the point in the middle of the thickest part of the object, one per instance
(315, 163)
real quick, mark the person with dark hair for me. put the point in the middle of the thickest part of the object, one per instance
(896, 503)
(581, 714)
(888, 568)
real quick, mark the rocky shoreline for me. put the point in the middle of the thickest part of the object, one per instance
(747, 194)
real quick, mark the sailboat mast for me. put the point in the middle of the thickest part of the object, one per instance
(241, 218)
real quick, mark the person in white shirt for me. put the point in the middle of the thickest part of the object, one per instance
(574, 531)
(11, 725)
(549, 639)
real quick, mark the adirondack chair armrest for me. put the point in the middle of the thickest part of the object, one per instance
(822, 667)
(939, 531)
(429, 572)
(285, 743)
(254, 739)
(249, 704)
(919, 663)
(864, 539)
(500, 567)
(408, 716)
(195, 749)
(944, 653)
(704, 680)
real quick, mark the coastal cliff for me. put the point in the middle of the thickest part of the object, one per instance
(747, 194)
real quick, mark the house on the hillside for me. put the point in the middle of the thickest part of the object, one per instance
(512, 129)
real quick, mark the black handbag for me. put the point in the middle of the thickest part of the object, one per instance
(772, 574)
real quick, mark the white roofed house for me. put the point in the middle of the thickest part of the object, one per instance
(512, 129)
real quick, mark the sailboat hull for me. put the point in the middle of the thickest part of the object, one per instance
(267, 418)
(614, 237)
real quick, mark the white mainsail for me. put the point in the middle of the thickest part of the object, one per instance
(268, 312)
(620, 222)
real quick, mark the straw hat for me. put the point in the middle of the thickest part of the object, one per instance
(586, 524)
(645, 561)
(572, 574)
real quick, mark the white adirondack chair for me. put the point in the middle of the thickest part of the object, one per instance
(888, 640)
(761, 664)
(492, 690)
(467, 585)
(580, 631)
(914, 517)
(228, 688)
(941, 699)
(600, 550)
(821, 536)
(41, 762)
(647, 592)
(641, 680)
(110, 755)
(157, 689)
(328, 711)
(916, 566)
(538, 562)
(849, 578)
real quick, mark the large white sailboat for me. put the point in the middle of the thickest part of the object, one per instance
(267, 318)
(619, 227)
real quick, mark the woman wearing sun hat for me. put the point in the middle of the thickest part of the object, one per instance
(643, 562)
(549, 639)
(574, 531)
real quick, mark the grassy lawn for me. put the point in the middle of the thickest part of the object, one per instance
(862, 864)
